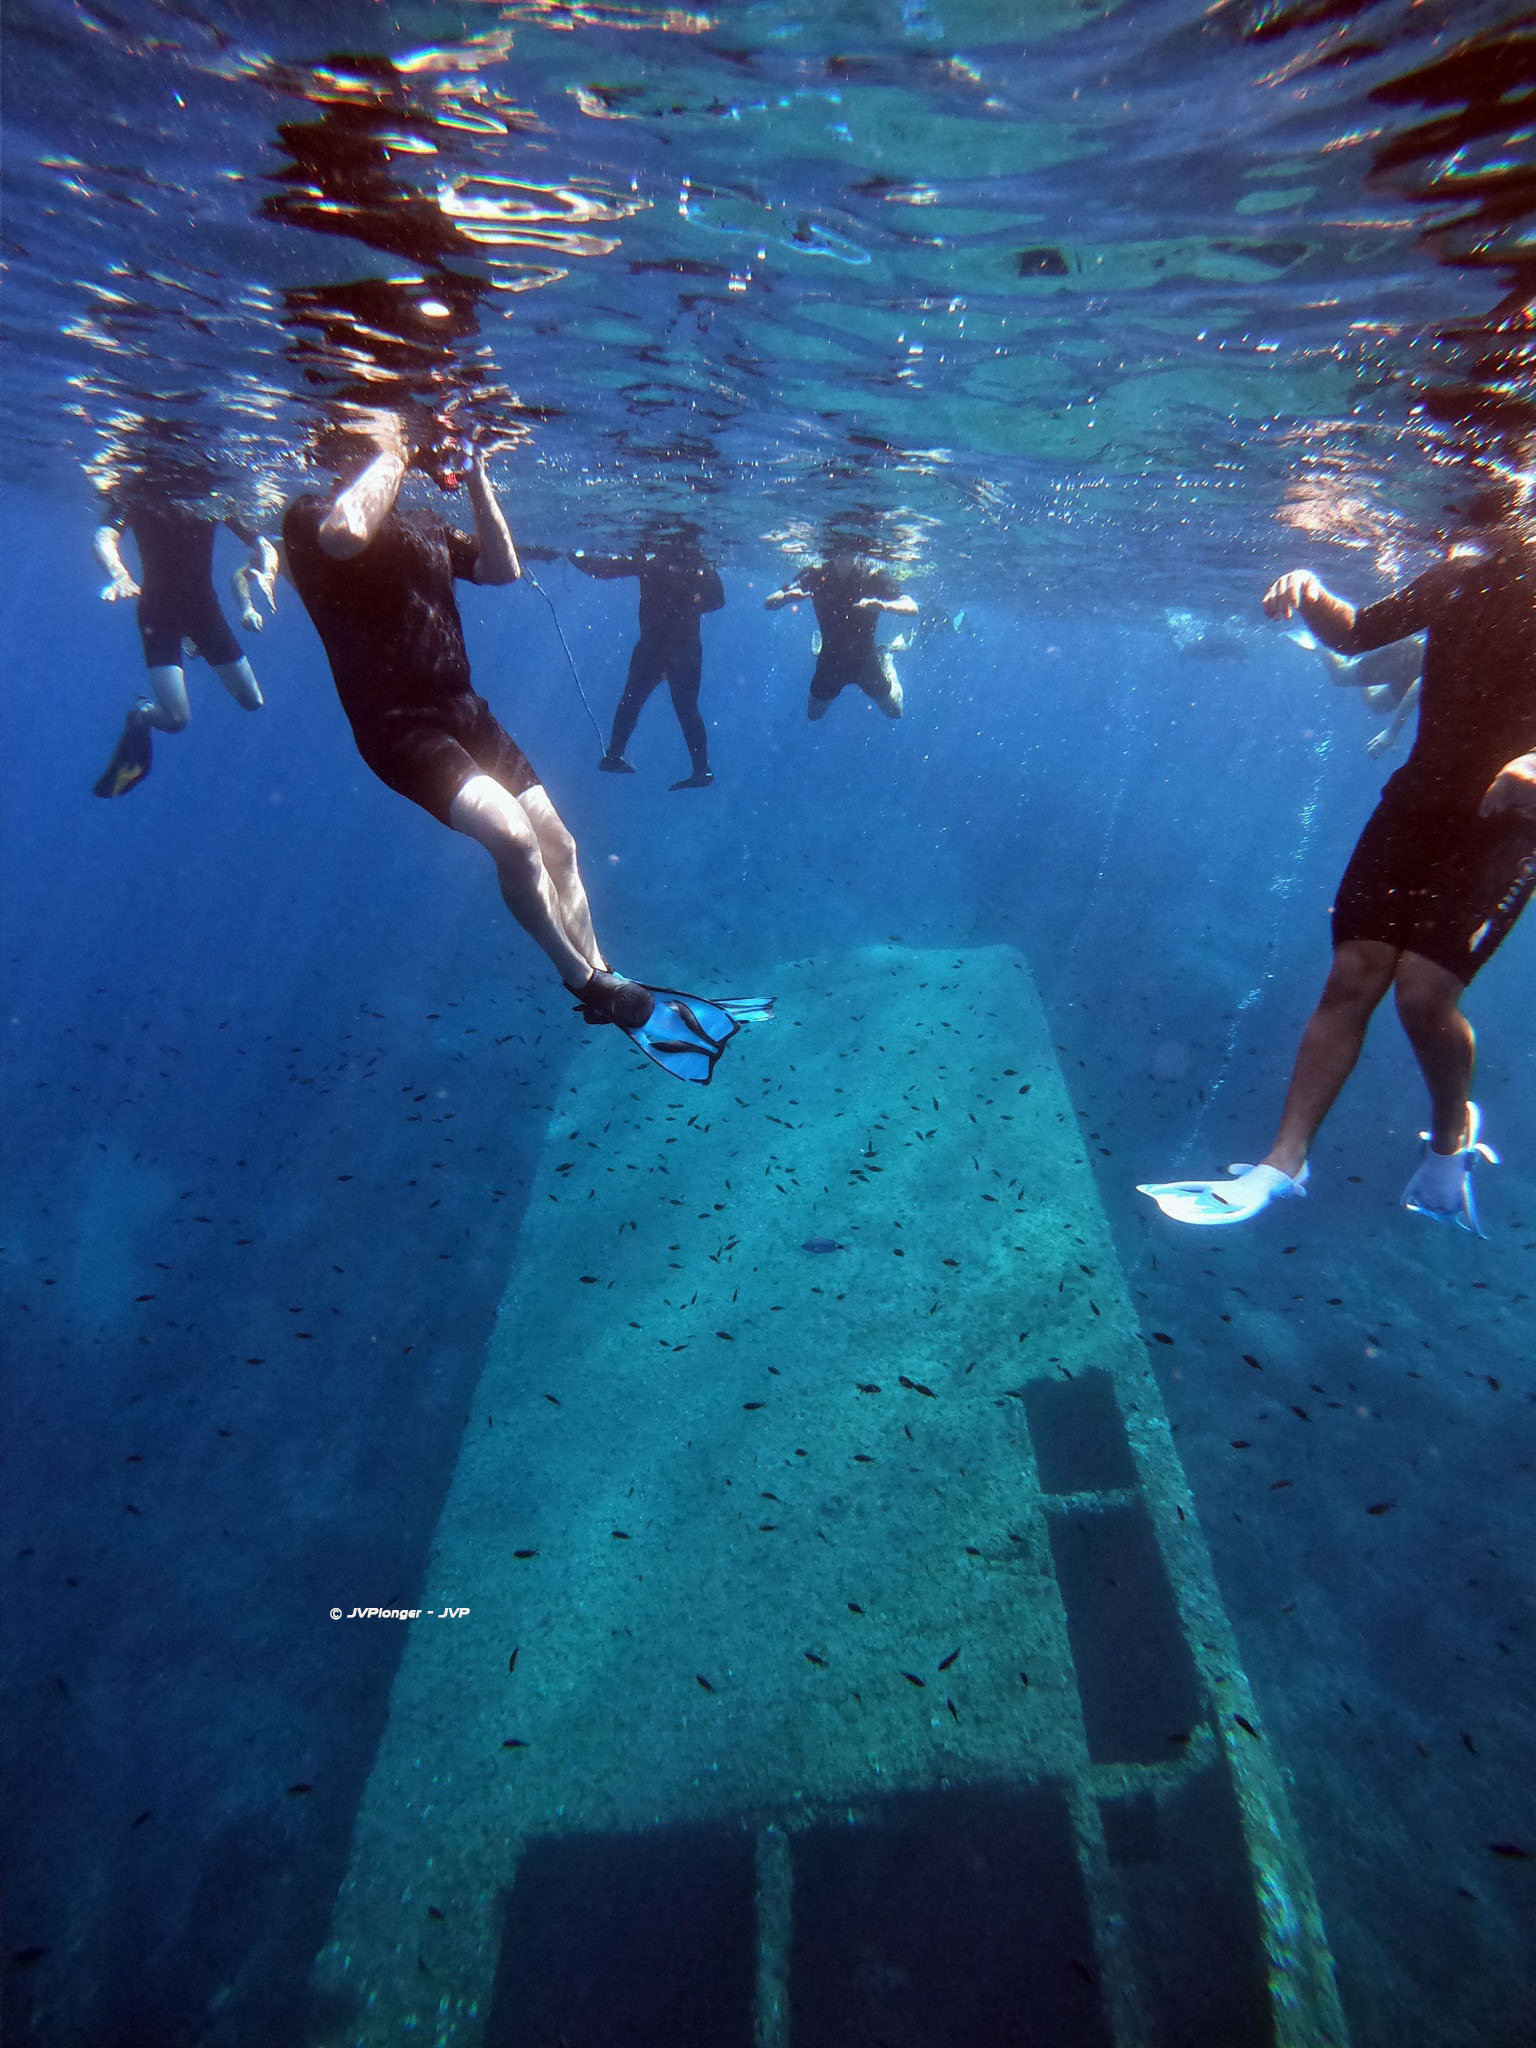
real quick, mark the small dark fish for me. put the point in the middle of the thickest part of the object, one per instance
(434, 1913)
(854, 1607)
(862, 1458)
(954, 1711)
(25, 1957)
(916, 1387)
(823, 1244)
(525, 1553)
(1161, 1337)
(1512, 1850)
(868, 1387)
(947, 1661)
(1381, 1507)
(514, 1742)
(619, 1535)
(1249, 1359)
(703, 1681)
(1247, 1727)
(295, 1790)
(812, 1658)
(912, 1678)
(512, 1661)
(750, 1405)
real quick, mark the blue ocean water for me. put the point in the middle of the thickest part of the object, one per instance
(280, 1070)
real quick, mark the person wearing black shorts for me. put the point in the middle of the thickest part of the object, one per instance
(1444, 867)
(177, 609)
(849, 592)
(378, 583)
(677, 586)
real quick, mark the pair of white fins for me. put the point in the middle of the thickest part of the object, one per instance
(1441, 1187)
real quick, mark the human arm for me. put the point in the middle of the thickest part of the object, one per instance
(109, 553)
(792, 593)
(1379, 742)
(1513, 788)
(1338, 624)
(907, 606)
(711, 591)
(606, 568)
(497, 561)
(356, 514)
(259, 571)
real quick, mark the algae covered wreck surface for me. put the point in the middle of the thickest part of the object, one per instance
(789, 1609)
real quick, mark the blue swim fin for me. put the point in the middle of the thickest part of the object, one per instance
(687, 1034)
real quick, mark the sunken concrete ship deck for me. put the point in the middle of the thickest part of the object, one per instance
(871, 1683)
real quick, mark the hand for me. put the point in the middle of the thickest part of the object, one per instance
(251, 619)
(120, 587)
(1512, 789)
(1379, 742)
(1285, 597)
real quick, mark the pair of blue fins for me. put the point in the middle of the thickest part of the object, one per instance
(1441, 1187)
(682, 1033)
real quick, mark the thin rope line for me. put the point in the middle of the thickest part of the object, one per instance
(529, 577)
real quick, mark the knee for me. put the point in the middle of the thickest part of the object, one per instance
(1354, 983)
(174, 717)
(559, 850)
(1426, 996)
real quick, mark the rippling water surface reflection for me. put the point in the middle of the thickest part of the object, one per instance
(986, 275)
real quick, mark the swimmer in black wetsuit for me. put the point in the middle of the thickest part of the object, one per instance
(177, 608)
(677, 586)
(378, 583)
(849, 593)
(1444, 867)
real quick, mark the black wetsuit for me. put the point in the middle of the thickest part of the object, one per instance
(848, 650)
(176, 594)
(677, 586)
(390, 626)
(1429, 875)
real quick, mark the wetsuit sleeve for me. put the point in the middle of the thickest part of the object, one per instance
(606, 568)
(1405, 612)
(711, 591)
(463, 553)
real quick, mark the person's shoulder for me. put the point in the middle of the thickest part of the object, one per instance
(302, 515)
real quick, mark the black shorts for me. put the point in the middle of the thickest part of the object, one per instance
(1447, 885)
(871, 676)
(191, 616)
(428, 752)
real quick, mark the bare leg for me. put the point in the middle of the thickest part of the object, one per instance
(168, 710)
(486, 812)
(237, 678)
(890, 700)
(558, 851)
(1360, 976)
(1429, 1009)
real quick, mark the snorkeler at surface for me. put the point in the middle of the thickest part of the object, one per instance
(1444, 867)
(378, 583)
(177, 609)
(849, 592)
(677, 586)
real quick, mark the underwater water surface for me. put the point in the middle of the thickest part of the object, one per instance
(1150, 1658)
